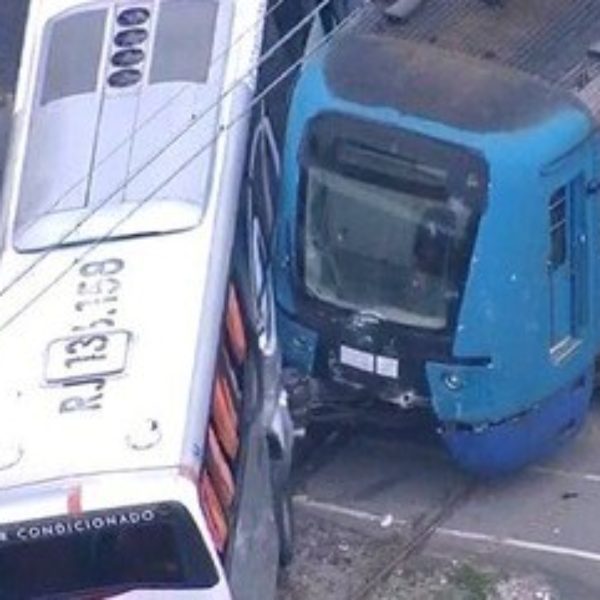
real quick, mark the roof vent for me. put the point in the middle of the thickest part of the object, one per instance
(133, 16)
(125, 78)
(131, 37)
(128, 58)
(144, 434)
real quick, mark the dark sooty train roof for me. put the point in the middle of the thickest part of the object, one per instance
(466, 64)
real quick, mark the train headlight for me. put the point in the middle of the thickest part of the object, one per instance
(453, 381)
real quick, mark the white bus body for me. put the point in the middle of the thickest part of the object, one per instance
(116, 291)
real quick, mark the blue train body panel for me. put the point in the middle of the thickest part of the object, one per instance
(505, 447)
(509, 377)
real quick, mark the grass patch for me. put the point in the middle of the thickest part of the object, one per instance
(476, 584)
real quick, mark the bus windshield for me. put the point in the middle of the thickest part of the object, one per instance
(382, 233)
(148, 547)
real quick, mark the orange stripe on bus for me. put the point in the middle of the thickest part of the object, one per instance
(231, 376)
(219, 471)
(225, 419)
(215, 517)
(235, 327)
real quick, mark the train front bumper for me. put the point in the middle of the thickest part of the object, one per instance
(499, 448)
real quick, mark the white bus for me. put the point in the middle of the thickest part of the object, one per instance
(144, 436)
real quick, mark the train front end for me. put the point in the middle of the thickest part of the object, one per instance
(413, 247)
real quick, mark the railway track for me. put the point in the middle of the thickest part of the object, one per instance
(420, 533)
(410, 539)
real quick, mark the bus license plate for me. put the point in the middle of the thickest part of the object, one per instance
(88, 355)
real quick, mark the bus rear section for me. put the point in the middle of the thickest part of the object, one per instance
(187, 530)
(180, 524)
(148, 550)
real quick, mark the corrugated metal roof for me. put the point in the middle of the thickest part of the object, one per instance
(548, 39)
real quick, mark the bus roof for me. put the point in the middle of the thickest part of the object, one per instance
(149, 304)
(113, 86)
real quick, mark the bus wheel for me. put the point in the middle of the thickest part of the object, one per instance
(284, 513)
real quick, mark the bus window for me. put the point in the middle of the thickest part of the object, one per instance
(153, 547)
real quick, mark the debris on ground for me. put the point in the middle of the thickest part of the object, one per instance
(437, 578)
(333, 561)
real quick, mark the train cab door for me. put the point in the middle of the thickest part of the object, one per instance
(568, 250)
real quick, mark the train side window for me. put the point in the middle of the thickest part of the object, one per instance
(558, 229)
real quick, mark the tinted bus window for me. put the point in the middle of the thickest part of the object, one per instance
(116, 551)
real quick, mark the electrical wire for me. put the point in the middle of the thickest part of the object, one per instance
(344, 23)
(151, 160)
(164, 106)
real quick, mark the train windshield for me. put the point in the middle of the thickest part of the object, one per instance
(105, 553)
(383, 232)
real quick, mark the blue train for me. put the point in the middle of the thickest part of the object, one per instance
(438, 237)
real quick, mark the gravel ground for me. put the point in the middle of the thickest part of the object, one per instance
(333, 562)
(438, 578)
(330, 561)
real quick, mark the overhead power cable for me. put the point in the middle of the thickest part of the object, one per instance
(222, 55)
(342, 24)
(152, 159)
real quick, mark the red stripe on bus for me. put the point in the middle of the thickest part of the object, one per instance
(74, 506)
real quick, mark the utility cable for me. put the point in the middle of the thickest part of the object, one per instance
(344, 23)
(151, 160)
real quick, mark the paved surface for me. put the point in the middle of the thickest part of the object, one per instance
(542, 524)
